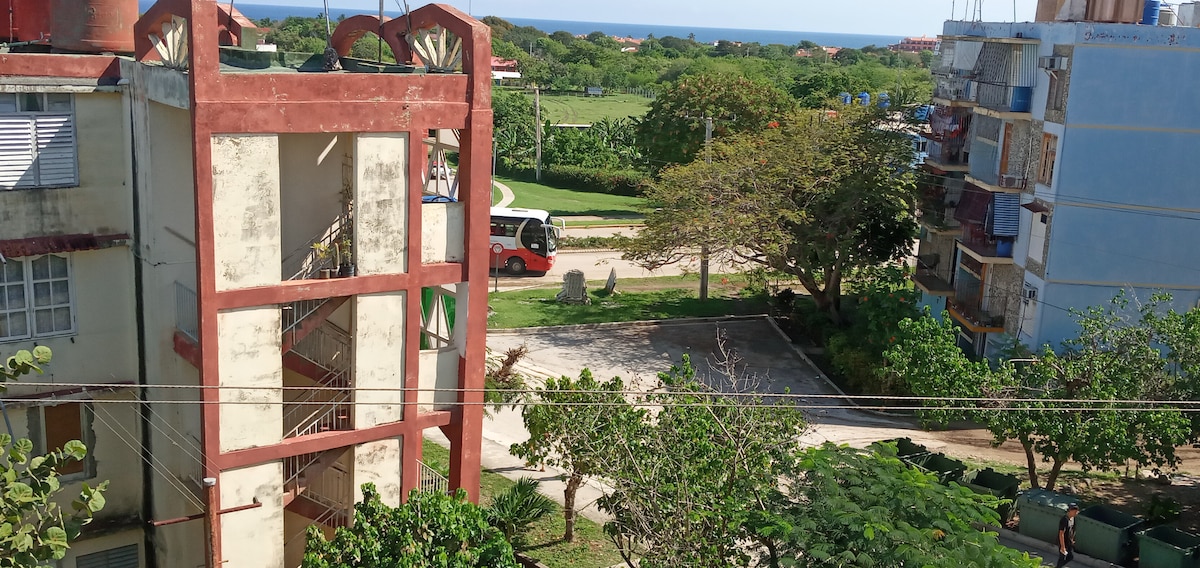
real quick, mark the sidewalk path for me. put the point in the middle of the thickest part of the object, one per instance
(506, 194)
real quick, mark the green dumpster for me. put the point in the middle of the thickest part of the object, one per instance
(1040, 510)
(946, 469)
(906, 448)
(1001, 485)
(1168, 547)
(1106, 533)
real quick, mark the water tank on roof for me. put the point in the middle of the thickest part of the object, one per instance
(884, 100)
(845, 98)
(1166, 17)
(1150, 12)
(30, 20)
(864, 98)
(93, 26)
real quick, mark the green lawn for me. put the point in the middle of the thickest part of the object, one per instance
(568, 109)
(568, 202)
(536, 308)
(591, 548)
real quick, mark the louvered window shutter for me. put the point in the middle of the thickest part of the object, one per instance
(17, 151)
(37, 150)
(55, 150)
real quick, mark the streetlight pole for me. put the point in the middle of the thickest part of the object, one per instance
(708, 133)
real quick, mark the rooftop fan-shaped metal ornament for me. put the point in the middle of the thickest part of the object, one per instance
(172, 45)
(438, 48)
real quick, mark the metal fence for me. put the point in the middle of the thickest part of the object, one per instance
(187, 315)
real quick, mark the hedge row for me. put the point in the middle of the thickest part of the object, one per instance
(617, 182)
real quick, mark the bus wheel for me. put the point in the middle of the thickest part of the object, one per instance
(515, 265)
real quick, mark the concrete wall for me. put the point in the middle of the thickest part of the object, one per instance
(101, 204)
(250, 346)
(439, 370)
(253, 538)
(380, 203)
(379, 357)
(120, 539)
(246, 210)
(442, 233)
(379, 463)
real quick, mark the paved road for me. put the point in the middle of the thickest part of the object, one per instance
(506, 195)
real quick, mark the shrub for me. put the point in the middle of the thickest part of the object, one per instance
(518, 507)
(597, 180)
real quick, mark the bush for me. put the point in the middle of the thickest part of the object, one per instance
(518, 507)
(617, 182)
(594, 180)
(855, 364)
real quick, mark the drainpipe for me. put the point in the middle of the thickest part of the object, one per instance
(149, 532)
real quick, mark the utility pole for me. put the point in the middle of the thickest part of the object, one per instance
(708, 133)
(537, 112)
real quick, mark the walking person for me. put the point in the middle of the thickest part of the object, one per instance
(1066, 536)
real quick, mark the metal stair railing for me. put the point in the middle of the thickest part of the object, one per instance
(333, 491)
(430, 480)
(331, 414)
(317, 253)
(322, 409)
(328, 346)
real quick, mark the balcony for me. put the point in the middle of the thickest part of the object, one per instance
(1005, 101)
(975, 319)
(948, 155)
(929, 282)
(995, 251)
(999, 183)
(955, 91)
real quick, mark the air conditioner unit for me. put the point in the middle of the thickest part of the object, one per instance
(1011, 182)
(1052, 63)
(1029, 294)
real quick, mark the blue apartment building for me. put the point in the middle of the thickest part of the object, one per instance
(1063, 167)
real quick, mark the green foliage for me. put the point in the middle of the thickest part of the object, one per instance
(816, 197)
(849, 507)
(569, 428)
(599, 180)
(34, 529)
(518, 507)
(672, 132)
(513, 127)
(688, 482)
(1117, 356)
(431, 530)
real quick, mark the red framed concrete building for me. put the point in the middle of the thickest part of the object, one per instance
(244, 238)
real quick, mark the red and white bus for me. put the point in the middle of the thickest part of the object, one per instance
(524, 239)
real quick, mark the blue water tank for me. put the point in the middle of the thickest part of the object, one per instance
(884, 100)
(846, 98)
(1150, 12)
(1022, 99)
(864, 98)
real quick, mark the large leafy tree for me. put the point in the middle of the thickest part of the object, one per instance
(34, 529)
(513, 125)
(672, 132)
(1117, 356)
(431, 530)
(693, 480)
(815, 196)
(571, 424)
(849, 507)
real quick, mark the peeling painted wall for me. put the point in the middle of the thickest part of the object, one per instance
(255, 534)
(246, 210)
(379, 357)
(381, 203)
(442, 233)
(250, 343)
(379, 463)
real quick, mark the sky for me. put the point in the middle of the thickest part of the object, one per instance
(882, 17)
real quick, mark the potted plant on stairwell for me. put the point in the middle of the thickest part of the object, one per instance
(323, 252)
(345, 260)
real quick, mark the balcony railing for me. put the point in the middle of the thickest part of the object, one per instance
(950, 152)
(186, 312)
(974, 318)
(999, 250)
(1005, 98)
(957, 89)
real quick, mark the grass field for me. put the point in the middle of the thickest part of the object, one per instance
(568, 202)
(536, 308)
(591, 548)
(568, 109)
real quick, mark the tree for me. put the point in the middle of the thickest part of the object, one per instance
(518, 507)
(848, 507)
(569, 428)
(1115, 357)
(672, 131)
(815, 196)
(431, 530)
(690, 483)
(34, 529)
(513, 123)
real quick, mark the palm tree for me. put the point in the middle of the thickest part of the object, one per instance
(518, 507)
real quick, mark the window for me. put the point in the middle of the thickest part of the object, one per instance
(123, 557)
(36, 297)
(1037, 238)
(1049, 153)
(37, 140)
(56, 425)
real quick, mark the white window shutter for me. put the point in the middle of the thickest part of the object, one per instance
(55, 150)
(17, 151)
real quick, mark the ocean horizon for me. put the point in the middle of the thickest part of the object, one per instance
(702, 34)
